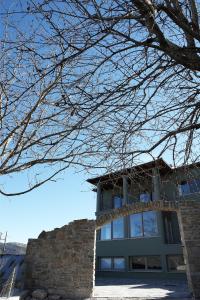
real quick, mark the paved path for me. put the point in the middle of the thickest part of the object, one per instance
(141, 289)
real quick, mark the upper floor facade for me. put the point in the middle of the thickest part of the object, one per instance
(151, 181)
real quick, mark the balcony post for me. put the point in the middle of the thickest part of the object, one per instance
(98, 204)
(156, 184)
(125, 190)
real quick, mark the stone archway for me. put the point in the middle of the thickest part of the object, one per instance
(62, 261)
(189, 222)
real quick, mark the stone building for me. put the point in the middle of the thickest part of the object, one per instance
(146, 244)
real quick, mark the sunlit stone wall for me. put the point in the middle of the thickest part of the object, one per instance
(61, 262)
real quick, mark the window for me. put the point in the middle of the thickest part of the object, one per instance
(105, 232)
(143, 224)
(153, 263)
(138, 263)
(136, 225)
(118, 228)
(118, 263)
(171, 228)
(189, 187)
(175, 263)
(145, 197)
(113, 230)
(111, 263)
(150, 223)
(117, 202)
(105, 263)
(145, 263)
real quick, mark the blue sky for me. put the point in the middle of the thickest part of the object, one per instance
(52, 205)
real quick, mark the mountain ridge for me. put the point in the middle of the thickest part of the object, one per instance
(13, 248)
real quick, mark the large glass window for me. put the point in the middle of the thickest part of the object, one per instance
(117, 202)
(136, 225)
(150, 223)
(106, 232)
(175, 263)
(119, 263)
(189, 187)
(105, 263)
(113, 230)
(118, 228)
(143, 224)
(145, 263)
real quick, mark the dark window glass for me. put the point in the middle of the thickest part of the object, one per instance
(118, 228)
(145, 263)
(167, 219)
(105, 263)
(117, 202)
(106, 232)
(136, 225)
(137, 262)
(154, 263)
(171, 228)
(175, 263)
(150, 223)
(119, 263)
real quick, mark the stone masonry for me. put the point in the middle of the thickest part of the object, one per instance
(189, 223)
(61, 262)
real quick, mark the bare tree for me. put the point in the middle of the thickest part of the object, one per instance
(98, 83)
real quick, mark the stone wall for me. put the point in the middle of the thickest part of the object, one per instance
(61, 261)
(189, 223)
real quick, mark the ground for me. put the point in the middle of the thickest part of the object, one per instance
(135, 289)
(143, 289)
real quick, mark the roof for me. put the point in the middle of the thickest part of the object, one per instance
(139, 169)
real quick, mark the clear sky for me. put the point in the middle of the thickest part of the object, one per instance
(50, 206)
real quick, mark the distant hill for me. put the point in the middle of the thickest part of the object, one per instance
(13, 248)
